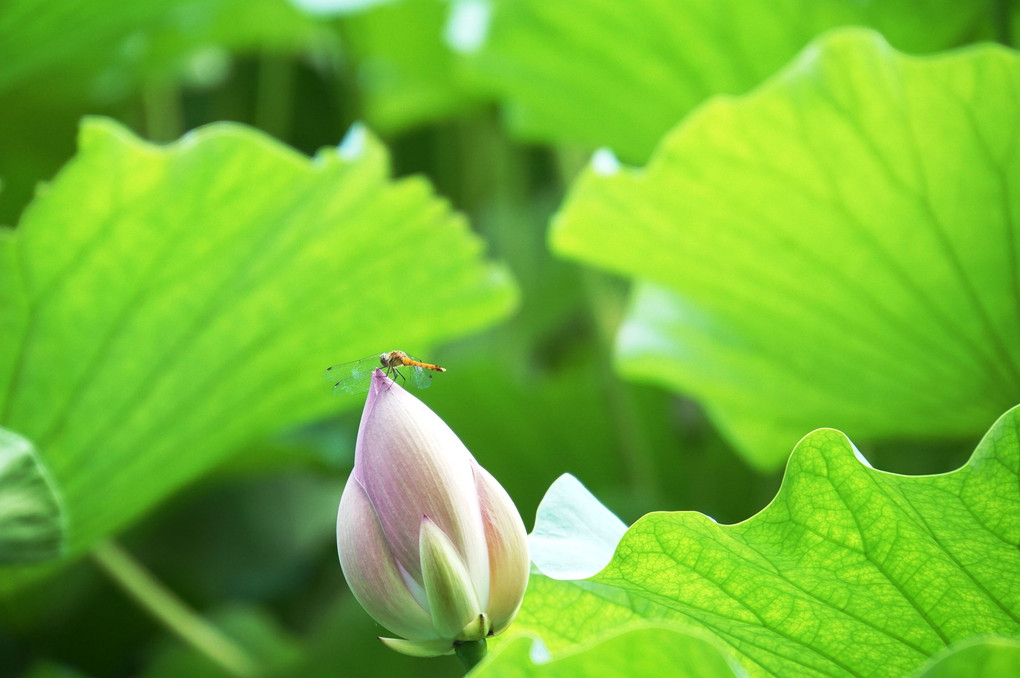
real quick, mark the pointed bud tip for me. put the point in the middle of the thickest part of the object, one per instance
(476, 629)
(380, 384)
(379, 379)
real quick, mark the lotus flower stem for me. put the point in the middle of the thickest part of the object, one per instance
(470, 653)
(169, 610)
(1002, 17)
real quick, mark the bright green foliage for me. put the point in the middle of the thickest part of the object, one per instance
(620, 74)
(641, 650)
(835, 249)
(102, 49)
(31, 519)
(849, 571)
(407, 72)
(982, 658)
(168, 304)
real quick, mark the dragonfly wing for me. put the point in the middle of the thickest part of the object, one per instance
(420, 377)
(352, 378)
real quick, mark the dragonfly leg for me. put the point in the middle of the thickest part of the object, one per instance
(393, 373)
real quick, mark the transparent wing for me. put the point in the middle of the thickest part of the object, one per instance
(420, 377)
(352, 378)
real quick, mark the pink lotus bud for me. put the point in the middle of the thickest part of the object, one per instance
(431, 545)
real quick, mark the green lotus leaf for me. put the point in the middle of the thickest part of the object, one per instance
(635, 650)
(849, 571)
(163, 306)
(976, 658)
(605, 73)
(836, 248)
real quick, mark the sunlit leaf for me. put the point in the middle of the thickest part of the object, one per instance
(163, 305)
(835, 249)
(641, 650)
(31, 519)
(978, 658)
(848, 572)
(605, 73)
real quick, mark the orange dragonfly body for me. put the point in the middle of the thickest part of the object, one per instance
(355, 377)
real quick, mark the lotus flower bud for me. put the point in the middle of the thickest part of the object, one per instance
(431, 545)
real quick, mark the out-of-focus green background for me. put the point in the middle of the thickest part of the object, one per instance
(531, 391)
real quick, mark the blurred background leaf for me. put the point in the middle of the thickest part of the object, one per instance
(835, 249)
(405, 70)
(51, 670)
(61, 60)
(103, 50)
(255, 630)
(597, 73)
(152, 342)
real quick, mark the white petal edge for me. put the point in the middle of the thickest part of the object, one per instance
(507, 542)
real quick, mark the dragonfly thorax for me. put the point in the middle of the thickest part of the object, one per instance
(393, 359)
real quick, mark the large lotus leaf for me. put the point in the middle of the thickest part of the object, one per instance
(620, 74)
(850, 571)
(31, 518)
(835, 249)
(161, 306)
(639, 650)
(976, 658)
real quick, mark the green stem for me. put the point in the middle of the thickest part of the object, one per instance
(1002, 15)
(164, 117)
(470, 653)
(275, 93)
(606, 305)
(167, 608)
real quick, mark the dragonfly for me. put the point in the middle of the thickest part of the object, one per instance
(355, 377)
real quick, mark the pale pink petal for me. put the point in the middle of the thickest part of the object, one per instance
(507, 542)
(371, 571)
(411, 464)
